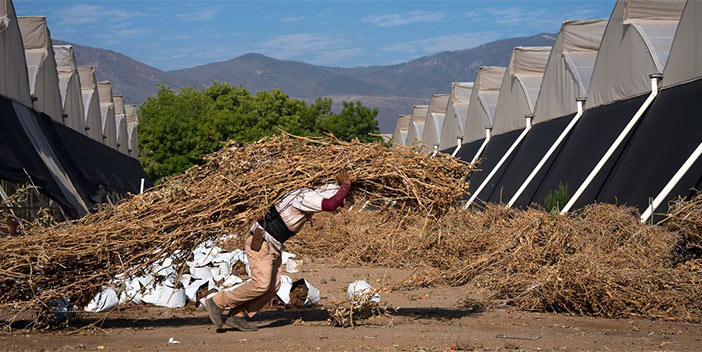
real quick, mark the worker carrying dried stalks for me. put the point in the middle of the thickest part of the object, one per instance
(264, 248)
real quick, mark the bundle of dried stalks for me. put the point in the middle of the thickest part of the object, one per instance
(42, 217)
(235, 185)
(600, 261)
(686, 217)
(348, 314)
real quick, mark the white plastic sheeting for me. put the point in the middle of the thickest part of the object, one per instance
(121, 125)
(69, 87)
(41, 66)
(132, 130)
(416, 124)
(483, 100)
(520, 88)
(635, 45)
(685, 60)
(91, 103)
(456, 113)
(107, 113)
(14, 83)
(569, 68)
(399, 136)
(210, 269)
(436, 113)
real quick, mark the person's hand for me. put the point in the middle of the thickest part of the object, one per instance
(343, 178)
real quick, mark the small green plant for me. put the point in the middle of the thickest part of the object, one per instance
(557, 198)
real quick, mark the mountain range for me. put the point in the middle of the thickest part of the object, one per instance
(392, 89)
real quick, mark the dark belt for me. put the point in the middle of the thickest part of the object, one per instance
(275, 226)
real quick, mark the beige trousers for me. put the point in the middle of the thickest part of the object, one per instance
(253, 294)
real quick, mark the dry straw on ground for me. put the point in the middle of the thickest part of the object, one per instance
(349, 314)
(236, 185)
(599, 262)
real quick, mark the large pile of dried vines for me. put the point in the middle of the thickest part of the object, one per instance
(223, 196)
(600, 261)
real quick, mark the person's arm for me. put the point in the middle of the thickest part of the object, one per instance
(330, 204)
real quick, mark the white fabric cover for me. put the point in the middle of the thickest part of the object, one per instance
(132, 133)
(456, 113)
(685, 59)
(41, 66)
(654, 9)
(416, 125)
(434, 121)
(91, 103)
(399, 136)
(14, 83)
(483, 100)
(635, 45)
(121, 125)
(520, 88)
(107, 113)
(69, 87)
(569, 69)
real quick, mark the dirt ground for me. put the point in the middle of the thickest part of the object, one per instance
(425, 320)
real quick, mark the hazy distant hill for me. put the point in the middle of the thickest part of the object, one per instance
(258, 72)
(392, 89)
(434, 74)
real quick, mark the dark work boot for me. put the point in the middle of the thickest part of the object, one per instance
(215, 313)
(240, 323)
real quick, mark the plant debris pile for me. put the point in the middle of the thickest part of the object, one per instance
(600, 261)
(235, 185)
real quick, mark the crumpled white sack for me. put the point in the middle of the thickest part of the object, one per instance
(191, 290)
(313, 295)
(171, 297)
(103, 301)
(284, 289)
(359, 288)
(131, 292)
(200, 272)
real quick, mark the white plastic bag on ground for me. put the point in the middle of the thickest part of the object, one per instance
(171, 297)
(103, 301)
(191, 290)
(359, 288)
(131, 292)
(285, 287)
(313, 295)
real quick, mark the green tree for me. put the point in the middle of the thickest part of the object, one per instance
(177, 128)
(173, 134)
(354, 121)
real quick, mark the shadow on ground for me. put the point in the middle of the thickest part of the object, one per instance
(265, 319)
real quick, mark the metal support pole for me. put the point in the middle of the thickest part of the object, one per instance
(622, 135)
(672, 183)
(548, 154)
(504, 158)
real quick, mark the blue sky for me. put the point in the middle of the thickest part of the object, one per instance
(183, 33)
